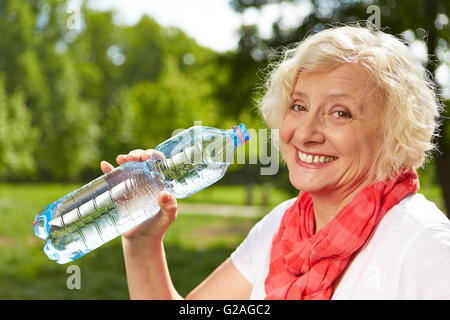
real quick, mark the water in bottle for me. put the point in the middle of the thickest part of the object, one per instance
(125, 197)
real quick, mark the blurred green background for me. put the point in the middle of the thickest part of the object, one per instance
(70, 98)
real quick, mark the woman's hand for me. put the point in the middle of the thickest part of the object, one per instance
(154, 228)
(145, 260)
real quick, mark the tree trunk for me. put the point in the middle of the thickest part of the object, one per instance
(443, 161)
(443, 157)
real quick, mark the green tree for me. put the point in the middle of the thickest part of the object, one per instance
(100, 89)
(50, 82)
(69, 125)
(18, 139)
(175, 101)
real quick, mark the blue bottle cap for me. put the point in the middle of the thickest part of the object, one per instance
(241, 133)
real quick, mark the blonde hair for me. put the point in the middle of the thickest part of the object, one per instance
(410, 105)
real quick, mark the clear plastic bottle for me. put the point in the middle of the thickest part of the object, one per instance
(116, 202)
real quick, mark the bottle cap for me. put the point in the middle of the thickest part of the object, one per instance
(242, 133)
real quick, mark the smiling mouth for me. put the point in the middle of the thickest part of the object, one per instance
(315, 159)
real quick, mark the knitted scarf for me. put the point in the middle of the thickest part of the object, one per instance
(304, 264)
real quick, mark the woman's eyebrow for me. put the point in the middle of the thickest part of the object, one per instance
(331, 96)
(299, 94)
(339, 95)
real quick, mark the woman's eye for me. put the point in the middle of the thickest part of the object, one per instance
(342, 114)
(297, 107)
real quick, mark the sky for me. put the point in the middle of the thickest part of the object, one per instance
(212, 23)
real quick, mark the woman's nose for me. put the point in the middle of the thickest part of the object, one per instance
(311, 129)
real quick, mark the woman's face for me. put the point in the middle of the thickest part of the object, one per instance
(331, 132)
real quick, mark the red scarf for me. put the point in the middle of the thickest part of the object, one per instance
(304, 264)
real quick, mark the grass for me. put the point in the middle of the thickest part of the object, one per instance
(195, 246)
(239, 195)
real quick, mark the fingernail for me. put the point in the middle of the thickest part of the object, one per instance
(168, 197)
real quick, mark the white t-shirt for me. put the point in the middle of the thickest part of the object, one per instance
(406, 257)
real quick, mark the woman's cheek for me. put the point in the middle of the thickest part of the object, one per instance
(286, 131)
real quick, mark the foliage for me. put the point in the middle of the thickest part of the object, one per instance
(94, 91)
(18, 139)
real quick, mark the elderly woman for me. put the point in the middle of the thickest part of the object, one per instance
(356, 116)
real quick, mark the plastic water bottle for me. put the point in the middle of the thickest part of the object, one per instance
(125, 197)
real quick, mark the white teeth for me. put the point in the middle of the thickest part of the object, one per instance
(302, 156)
(314, 159)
